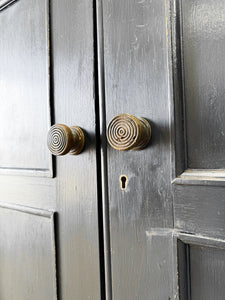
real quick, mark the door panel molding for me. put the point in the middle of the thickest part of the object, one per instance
(28, 253)
(57, 38)
(172, 251)
(25, 88)
(182, 150)
(201, 177)
(200, 262)
(27, 209)
(5, 3)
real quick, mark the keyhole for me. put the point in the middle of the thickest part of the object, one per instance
(123, 182)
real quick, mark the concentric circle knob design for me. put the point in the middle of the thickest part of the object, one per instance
(127, 132)
(63, 139)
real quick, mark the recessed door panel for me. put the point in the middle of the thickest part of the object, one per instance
(207, 266)
(203, 36)
(198, 64)
(43, 42)
(144, 43)
(27, 254)
(24, 87)
(198, 67)
(201, 270)
(198, 160)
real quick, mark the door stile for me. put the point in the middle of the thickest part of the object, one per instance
(102, 147)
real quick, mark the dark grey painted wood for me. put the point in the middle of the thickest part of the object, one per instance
(200, 240)
(162, 265)
(183, 270)
(77, 206)
(103, 147)
(72, 193)
(177, 109)
(29, 191)
(197, 208)
(24, 88)
(136, 82)
(198, 122)
(133, 78)
(207, 266)
(183, 40)
(135, 65)
(27, 255)
(203, 25)
(199, 85)
(200, 266)
(200, 209)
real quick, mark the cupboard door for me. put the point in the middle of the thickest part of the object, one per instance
(49, 205)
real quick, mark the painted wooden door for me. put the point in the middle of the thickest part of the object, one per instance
(82, 63)
(49, 242)
(165, 61)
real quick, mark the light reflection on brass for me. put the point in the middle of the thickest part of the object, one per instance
(63, 139)
(127, 132)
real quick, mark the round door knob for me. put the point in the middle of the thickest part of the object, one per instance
(63, 139)
(127, 132)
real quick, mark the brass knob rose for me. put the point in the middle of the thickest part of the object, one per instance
(63, 139)
(127, 132)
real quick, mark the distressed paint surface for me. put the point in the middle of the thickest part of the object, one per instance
(136, 82)
(72, 192)
(198, 159)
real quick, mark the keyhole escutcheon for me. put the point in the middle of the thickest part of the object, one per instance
(123, 182)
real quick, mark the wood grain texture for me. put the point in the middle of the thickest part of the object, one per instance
(72, 193)
(194, 113)
(162, 262)
(183, 270)
(207, 266)
(198, 205)
(136, 82)
(200, 266)
(203, 24)
(29, 191)
(200, 209)
(77, 201)
(27, 254)
(24, 88)
(198, 59)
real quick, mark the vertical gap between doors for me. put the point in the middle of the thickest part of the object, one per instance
(101, 152)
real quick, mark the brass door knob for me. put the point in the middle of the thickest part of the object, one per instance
(127, 132)
(63, 139)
